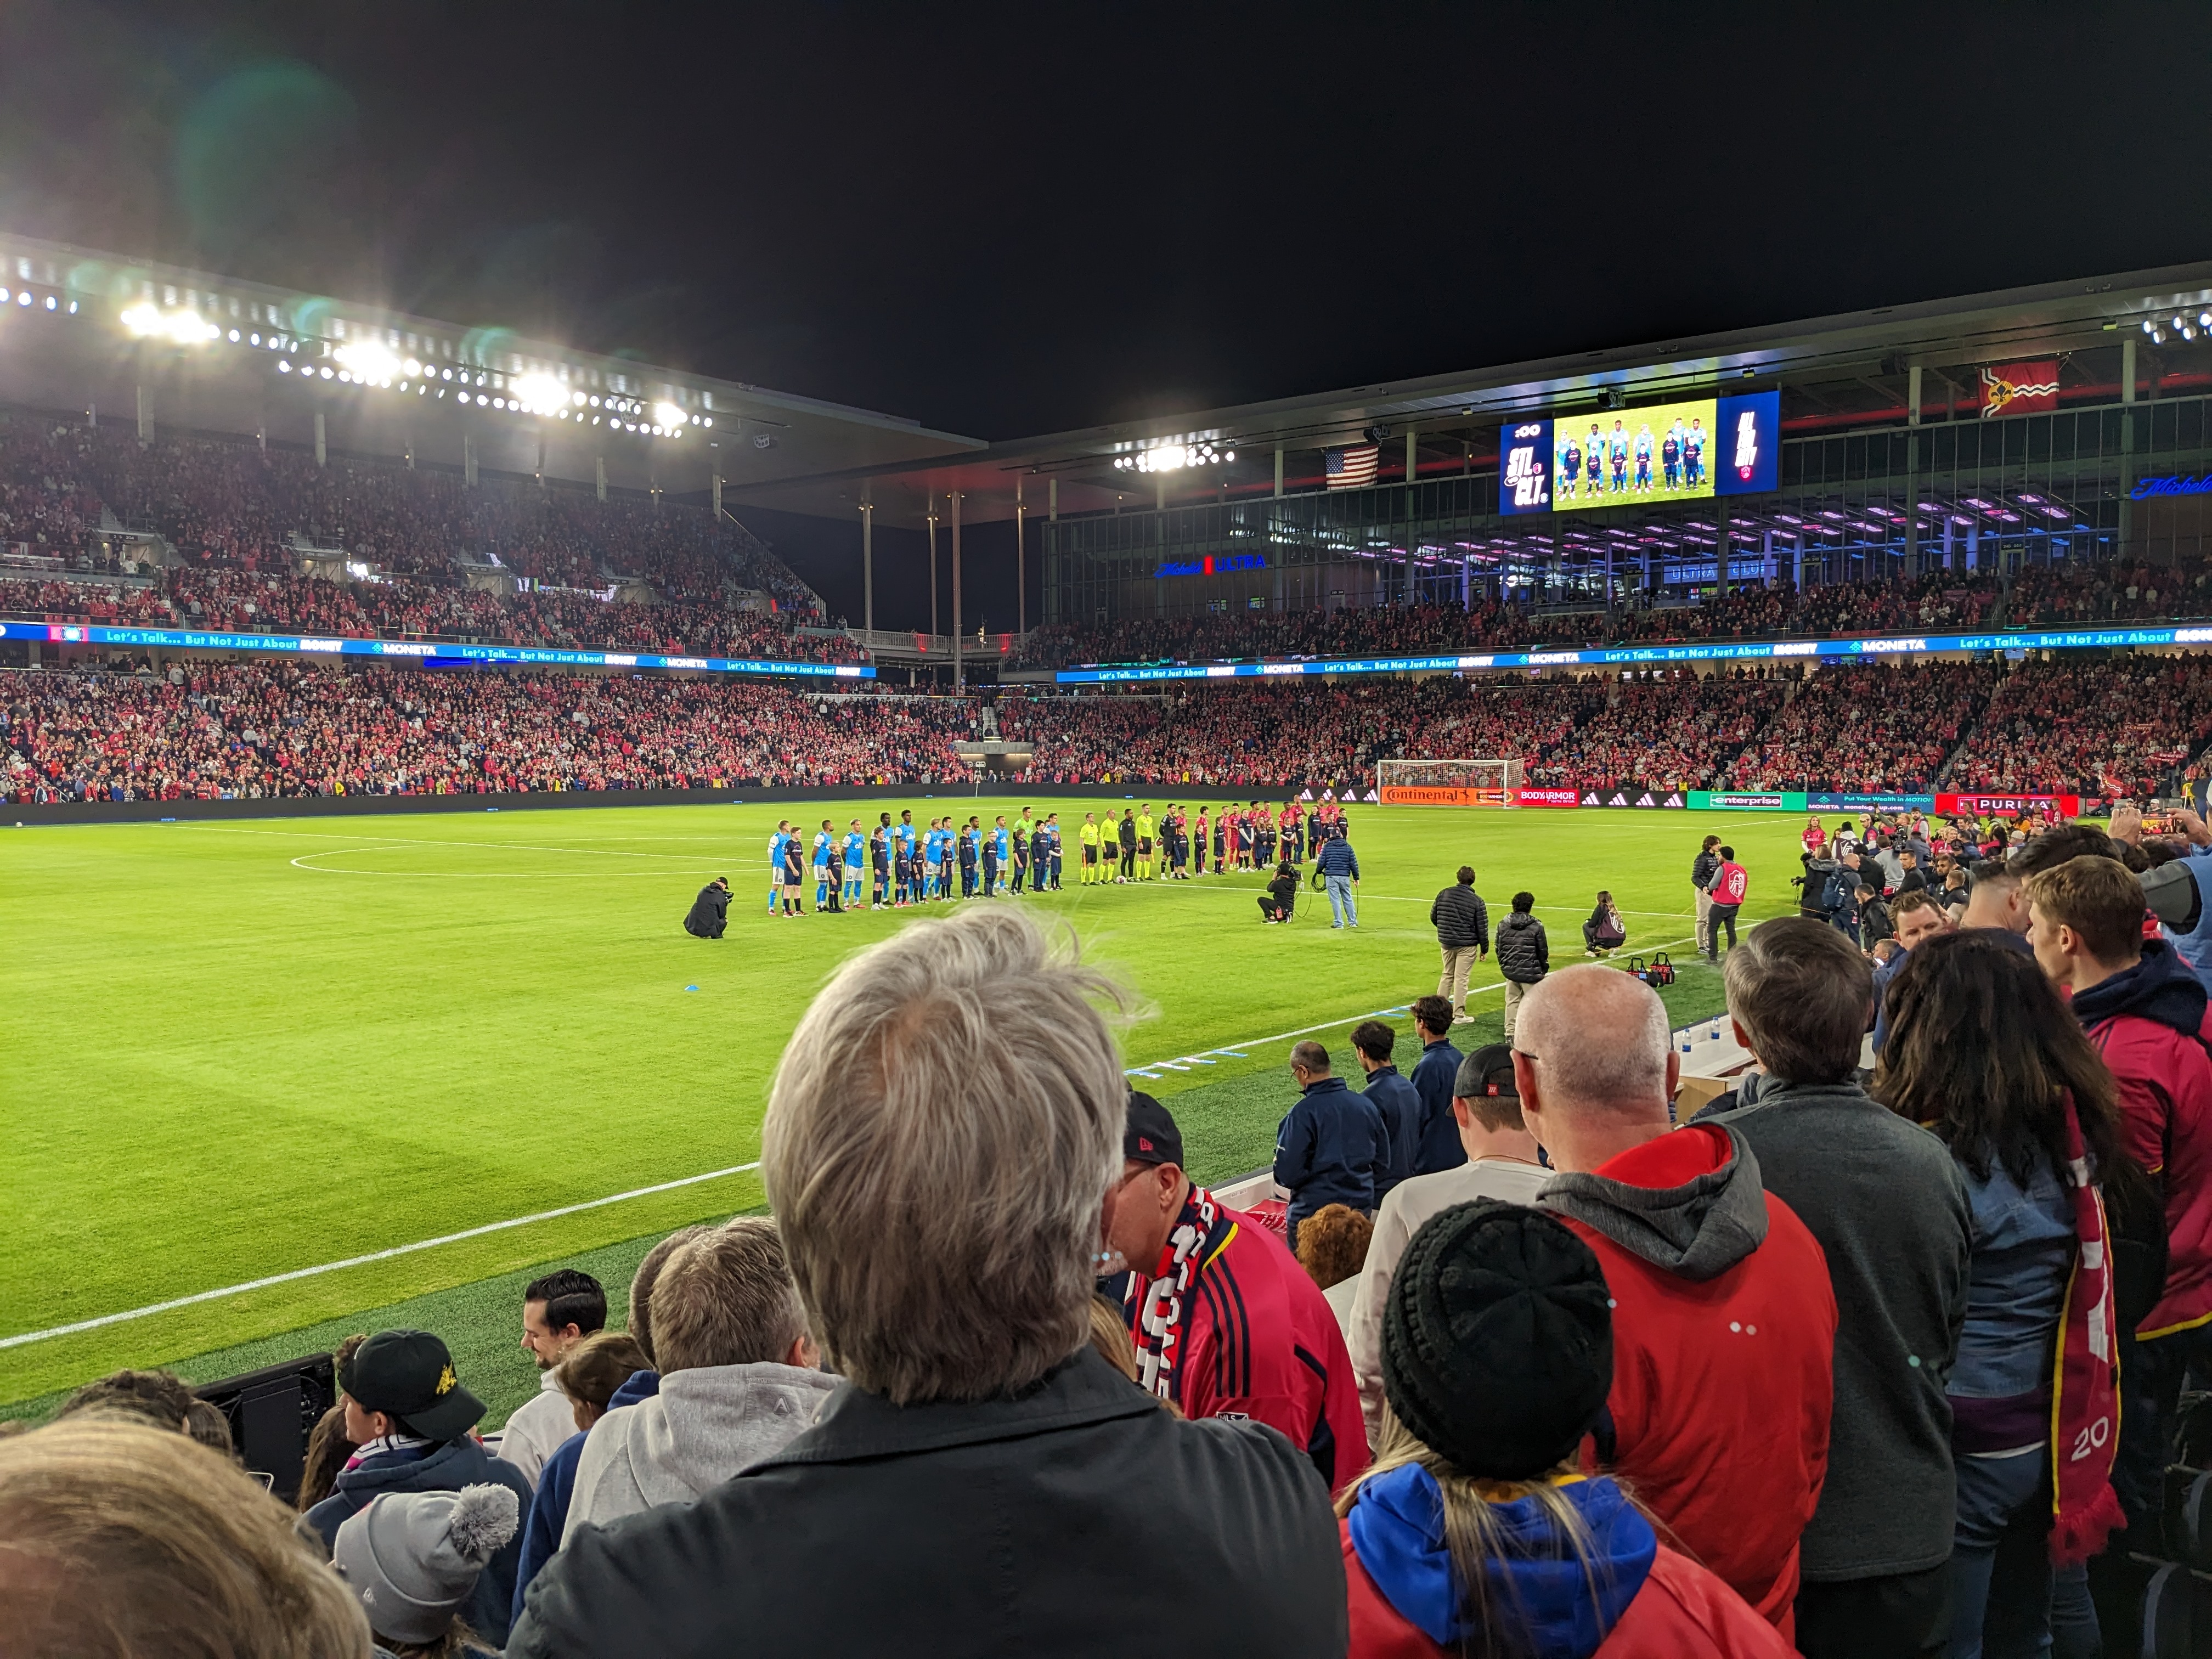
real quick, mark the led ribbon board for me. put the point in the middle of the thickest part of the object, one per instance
(193, 638)
(1636, 656)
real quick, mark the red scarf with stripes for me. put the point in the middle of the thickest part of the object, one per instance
(1161, 1302)
(2084, 1414)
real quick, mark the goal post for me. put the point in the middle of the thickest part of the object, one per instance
(1448, 782)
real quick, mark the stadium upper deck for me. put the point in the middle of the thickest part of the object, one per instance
(2051, 423)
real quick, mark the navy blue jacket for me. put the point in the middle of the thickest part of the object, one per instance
(1434, 1074)
(1337, 858)
(1401, 1107)
(458, 1463)
(1330, 1148)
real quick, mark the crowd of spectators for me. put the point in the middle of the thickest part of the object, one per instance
(267, 729)
(261, 731)
(1938, 601)
(2115, 729)
(1568, 1364)
(2063, 595)
(1876, 728)
(1674, 729)
(238, 517)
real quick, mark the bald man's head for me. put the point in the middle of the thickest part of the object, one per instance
(1600, 1040)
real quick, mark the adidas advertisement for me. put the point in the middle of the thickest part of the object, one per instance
(1635, 795)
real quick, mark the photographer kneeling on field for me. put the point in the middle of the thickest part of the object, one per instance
(710, 912)
(1282, 894)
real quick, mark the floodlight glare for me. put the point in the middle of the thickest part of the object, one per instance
(368, 360)
(24, 298)
(284, 368)
(233, 337)
(413, 368)
(539, 392)
(179, 327)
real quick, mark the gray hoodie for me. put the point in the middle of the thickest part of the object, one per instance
(704, 1426)
(1698, 1230)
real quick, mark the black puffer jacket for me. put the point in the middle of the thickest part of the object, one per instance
(1524, 952)
(1001, 1526)
(1460, 918)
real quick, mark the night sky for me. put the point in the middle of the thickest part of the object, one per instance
(1011, 222)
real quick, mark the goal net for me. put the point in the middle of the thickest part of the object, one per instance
(1447, 783)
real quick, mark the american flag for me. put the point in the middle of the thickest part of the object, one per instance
(1351, 469)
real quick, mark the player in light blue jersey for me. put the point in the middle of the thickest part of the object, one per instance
(910, 889)
(1568, 472)
(1616, 455)
(775, 863)
(823, 837)
(1594, 460)
(1693, 453)
(1643, 460)
(856, 860)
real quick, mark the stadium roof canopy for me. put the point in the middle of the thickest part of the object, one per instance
(82, 328)
(217, 353)
(1852, 370)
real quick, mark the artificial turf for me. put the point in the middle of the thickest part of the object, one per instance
(240, 1049)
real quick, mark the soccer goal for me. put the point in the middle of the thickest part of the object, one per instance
(1448, 782)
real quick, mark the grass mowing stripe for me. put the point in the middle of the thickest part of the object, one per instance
(373, 1255)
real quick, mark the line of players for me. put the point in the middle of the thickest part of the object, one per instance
(946, 860)
(1681, 455)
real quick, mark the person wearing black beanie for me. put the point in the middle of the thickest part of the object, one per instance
(1473, 1532)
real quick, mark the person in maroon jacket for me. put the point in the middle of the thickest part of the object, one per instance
(1472, 1533)
(1225, 1321)
(1724, 1317)
(2147, 1013)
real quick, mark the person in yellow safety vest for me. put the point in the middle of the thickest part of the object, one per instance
(1144, 842)
(1088, 835)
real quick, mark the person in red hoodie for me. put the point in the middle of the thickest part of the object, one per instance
(1724, 1317)
(2147, 1014)
(1224, 1321)
(1473, 1532)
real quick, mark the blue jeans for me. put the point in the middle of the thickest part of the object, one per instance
(1341, 904)
(2000, 1558)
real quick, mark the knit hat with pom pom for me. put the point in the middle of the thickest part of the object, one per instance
(414, 1557)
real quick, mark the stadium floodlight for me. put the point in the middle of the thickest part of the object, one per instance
(234, 337)
(367, 361)
(539, 393)
(413, 367)
(668, 415)
(284, 365)
(148, 322)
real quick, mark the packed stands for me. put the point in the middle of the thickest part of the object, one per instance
(2092, 728)
(546, 564)
(1939, 600)
(261, 731)
(1874, 728)
(1672, 730)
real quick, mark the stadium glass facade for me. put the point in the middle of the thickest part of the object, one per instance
(2001, 493)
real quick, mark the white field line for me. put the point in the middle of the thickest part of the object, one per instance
(361, 1261)
(1183, 1062)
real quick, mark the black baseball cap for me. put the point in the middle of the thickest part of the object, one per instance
(409, 1375)
(1151, 1136)
(1487, 1071)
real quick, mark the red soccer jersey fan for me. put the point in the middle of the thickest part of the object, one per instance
(1225, 1321)
(1732, 884)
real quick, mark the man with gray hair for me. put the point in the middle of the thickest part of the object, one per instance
(739, 1378)
(1723, 1328)
(941, 1138)
(1885, 1198)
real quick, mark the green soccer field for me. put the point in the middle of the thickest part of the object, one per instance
(246, 1051)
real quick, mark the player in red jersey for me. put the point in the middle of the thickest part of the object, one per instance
(1225, 1321)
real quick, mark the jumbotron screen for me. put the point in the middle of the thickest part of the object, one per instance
(1678, 451)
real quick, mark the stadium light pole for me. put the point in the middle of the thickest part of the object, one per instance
(867, 561)
(1021, 566)
(959, 677)
(930, 513)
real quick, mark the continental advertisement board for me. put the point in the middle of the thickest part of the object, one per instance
(1439, 794)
